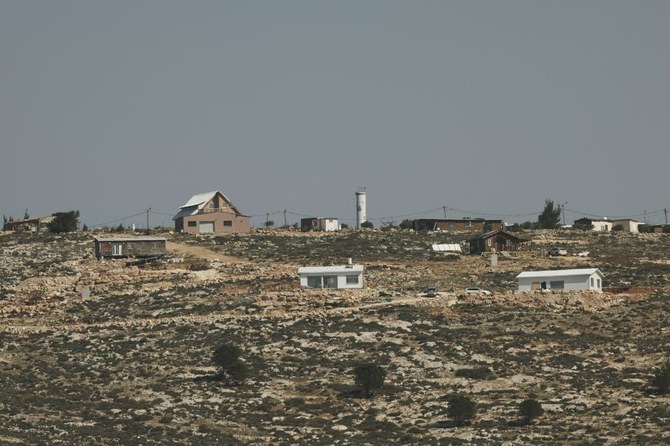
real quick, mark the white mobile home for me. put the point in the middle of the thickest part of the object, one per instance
(344, 276)
(586, 279)
(628, 225)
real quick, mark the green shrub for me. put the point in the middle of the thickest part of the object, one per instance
(64, 222)
(227, 358)
(661, 379)
(530, 409)
(483, 373)
(369, 377)
(462, 409)
(367, 225)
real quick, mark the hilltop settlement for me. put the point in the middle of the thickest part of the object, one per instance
(440, 332)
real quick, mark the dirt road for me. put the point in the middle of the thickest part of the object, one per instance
(202, 252)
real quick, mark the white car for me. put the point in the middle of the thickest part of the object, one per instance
(477, 290)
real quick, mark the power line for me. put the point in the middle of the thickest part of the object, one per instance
(120, 219)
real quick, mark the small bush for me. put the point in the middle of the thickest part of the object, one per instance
(367, 225)
(369, 377)
(530, 409)
(227, 358)
(462, 409)
(661, 379)
(483, 373)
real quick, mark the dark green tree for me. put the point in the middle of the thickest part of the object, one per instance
(661, 379)
(407, 224)
(550, 218)
(367, 225)
(64, 222)
(462, 409)
(26, 215)
(530, 409)
(269, 224)
(227, 358)
(369, 377)
(84, 228)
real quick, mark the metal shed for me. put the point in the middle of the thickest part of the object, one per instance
(119, 247)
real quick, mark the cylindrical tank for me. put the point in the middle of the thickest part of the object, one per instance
(361, 210)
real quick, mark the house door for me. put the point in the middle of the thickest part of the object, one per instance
(206, 227)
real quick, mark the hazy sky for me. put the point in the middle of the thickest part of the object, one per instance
(482, 106)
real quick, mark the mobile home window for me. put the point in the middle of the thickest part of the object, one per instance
(557, 284)
(330, 281)
(352, 279)
(314, 281)
(227, 222)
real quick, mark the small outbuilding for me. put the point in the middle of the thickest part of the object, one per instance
(497, 241)
(319, 224)
(339, 276)
(584, 279)
(598, 225)
(120, 247)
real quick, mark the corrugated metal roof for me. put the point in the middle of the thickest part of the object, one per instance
(130, 239)
(330, 269)
(199, 199)
(447, 247)
(185, 212)
(560, 273)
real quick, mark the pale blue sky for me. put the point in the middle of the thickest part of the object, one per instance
(485, 106)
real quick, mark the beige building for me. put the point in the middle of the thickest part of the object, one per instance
(211, 213)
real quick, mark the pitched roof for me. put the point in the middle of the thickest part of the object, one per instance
(488, 234)
(560, 273)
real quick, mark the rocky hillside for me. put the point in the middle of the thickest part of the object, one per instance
(132, 362)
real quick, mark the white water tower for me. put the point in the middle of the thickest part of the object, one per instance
(361, 208)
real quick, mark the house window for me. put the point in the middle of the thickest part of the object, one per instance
(592, 282)
(227, 222)
(314, 281)
(212, 205)
(330, 281)
(557, 284)
(352, 279)
(598, 283)
(192, 224)
(488, 242)
(117, 249)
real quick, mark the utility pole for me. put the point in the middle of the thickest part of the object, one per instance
(267, 217)
(148, 210)
(563, 209)
(444, 208)
(285, 224)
